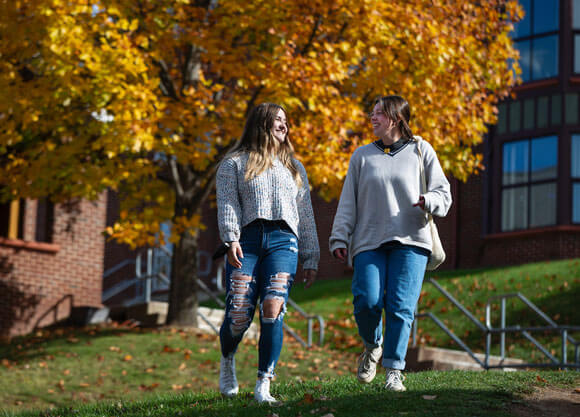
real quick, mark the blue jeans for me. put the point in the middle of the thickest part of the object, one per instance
(389, 278)
(268, 268)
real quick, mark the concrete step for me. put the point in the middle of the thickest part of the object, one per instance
(216, 316)
(423, 357)
(154, 314)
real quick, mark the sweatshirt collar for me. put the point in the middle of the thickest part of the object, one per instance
(392, 149)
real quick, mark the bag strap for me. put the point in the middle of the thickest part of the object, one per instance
(422, 171)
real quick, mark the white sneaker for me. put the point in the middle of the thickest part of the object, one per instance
(395, 380)
(367, 364)
(262, 392)
(228, 381)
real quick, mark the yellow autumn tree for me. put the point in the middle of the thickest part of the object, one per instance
(145, 97)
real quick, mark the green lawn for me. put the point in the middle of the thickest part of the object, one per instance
(432, 393)
(169, 371)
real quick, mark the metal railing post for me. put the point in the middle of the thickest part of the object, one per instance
(502, 334)
(149, 275)
(564, 347)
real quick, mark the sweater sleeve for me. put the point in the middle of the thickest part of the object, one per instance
(438, 195)
(228, 203)
(308, 247)
(346, 212)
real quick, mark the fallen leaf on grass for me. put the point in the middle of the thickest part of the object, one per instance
(176, 387)
(114, 348)
(128, 358)
(84, 385)
(182, 366)
(429, 397)
(540, 379)
(151, 387)
(308, 399)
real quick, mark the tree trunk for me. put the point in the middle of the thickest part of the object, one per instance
(183, 291)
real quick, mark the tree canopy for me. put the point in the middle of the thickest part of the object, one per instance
(146, 96)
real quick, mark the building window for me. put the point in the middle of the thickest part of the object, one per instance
(529, 174)
(44, 221)
(12, 219)
(575, 174)
(576, 34)
(536, 37)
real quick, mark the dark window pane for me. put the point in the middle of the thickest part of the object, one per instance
(545, 57)
(542, 112)
(575, 14)
(515, 162)
(577, 54)
(556, 109)
(575, 162)
(545, 16)
(571, 107)
(524, 48)
(515, 116)
(514, 209)
(544, 158)
(543, 205)
(502, 118)
(523, 27)
(576, 203)
(529, 113)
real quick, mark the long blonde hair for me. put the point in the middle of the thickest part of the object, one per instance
(258, 141)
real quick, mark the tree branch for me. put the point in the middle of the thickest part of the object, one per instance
(167, 85)
(175, 176)
(312, 34)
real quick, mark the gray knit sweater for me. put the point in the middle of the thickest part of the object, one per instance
(272, 195)
(376, 204)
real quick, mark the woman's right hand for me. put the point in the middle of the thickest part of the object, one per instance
(341, 254)
(235, 254)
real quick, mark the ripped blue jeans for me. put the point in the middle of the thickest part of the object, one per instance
(268, 268)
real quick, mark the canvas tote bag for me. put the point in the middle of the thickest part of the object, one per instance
(437, 253)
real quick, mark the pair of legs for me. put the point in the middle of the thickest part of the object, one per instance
(266, 276)
(388, 278)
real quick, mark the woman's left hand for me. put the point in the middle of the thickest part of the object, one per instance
(309, 277)
(421, 203)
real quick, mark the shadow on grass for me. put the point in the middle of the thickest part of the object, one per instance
(374, 401)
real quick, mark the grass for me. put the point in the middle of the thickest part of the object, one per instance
(456, 393)
(52, 369)
(119, 370)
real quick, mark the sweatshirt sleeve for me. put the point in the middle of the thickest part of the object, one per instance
(229, 210)
(308, 247)
(438, 195)
(346, 212)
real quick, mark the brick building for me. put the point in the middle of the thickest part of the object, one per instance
(51, 258)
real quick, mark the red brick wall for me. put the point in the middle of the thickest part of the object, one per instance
(34, 276)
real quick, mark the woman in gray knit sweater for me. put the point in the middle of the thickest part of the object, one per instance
(381, 227)
(265, 216)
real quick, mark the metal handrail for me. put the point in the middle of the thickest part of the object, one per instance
(488, 330)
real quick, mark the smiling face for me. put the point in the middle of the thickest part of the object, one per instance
(381, 123)
(280, 126)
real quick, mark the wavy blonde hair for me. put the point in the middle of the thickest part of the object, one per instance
(258, 141)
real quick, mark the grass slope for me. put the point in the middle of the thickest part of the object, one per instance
(431, 393)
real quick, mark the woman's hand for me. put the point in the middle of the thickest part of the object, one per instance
(235, 254)
(421, 203)
(341, 254)
(309, 277)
